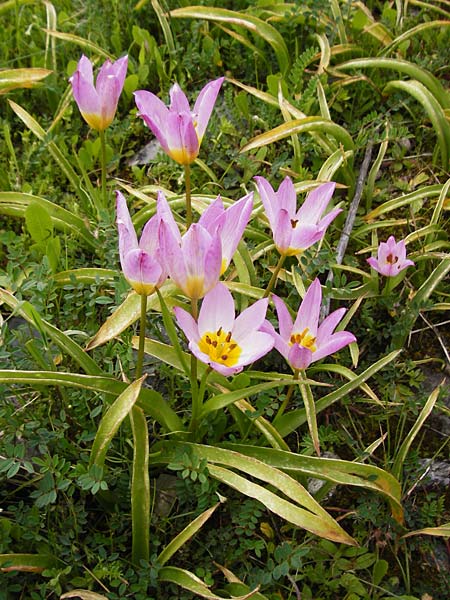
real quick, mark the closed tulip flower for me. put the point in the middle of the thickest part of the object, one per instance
(141, 261)
(178, 129)
(98, 103)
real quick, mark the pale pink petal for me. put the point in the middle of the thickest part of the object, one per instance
(282, 232)
(85, 94)
(336, 342)
(287, 197)
(268, 198)
(187, 323)
(150, 235)
(250, 320)
(217, 310)
(141, 268)
(259, 345)
(299, 357)
(305, 235)
(328, 218)
(173, 255)
(285, 323)
(213, 264)
(316, 202)
(154, 113)
(127, 234)
(308, 313)
(181, 137)
(209, 217)
(328, 325)
(204, 105)
(178, 101)
(165, 214)
(373, 262)
(231, 225)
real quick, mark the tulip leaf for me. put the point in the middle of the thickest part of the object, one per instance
(189, 581)
(112, 420)
(83, 595)
(150, 401)
(304, 511)
(11, 79)
(267, 429)
(414, 430)
(297, 126)
(54, 150)
(125, 315)
(426, 192)
(16, 203)
(87, 275)
(188, 532)
(432, 108)
(33, 563)
(406, 35)
(403, 66)
(334, 470)
(67, 345)
(253, 24)
(79, 41)
(442, 530)
(289, 422)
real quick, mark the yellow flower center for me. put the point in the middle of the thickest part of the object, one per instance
(304, 339)
(220, 347)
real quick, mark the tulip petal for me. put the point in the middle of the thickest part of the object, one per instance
(328, 325)
(178, 100)
(336, 342)
(209, 217)
(316, 202)
(187, 323)
(308, 313)
(299, 357)
(127, 234)
(249, 320)
(204, 105)
(285, 322)
(142, 271)
(287, 197)
(217, 310)
(268, 198)
(261, 343)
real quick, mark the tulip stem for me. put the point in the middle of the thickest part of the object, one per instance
(310, 409)
(140, 481)
(187, 177)
(288, 397)
(142, 324)
(194, 382)
(103, 161)
(273, 279)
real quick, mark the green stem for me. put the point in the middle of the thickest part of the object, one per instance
(140, 481)
(196, 407)
(274, 277)
(187, 177)
(310, 409)
(140, 488)
(285, 402)
(103, 161)
(143, 321)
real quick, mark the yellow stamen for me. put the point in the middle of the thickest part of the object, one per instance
(304, 339)
(220, 347)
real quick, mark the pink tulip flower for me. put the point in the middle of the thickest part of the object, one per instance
(222, 341)
(178, 129)
(98, 104)
(228, 223)
(304, 341)
(391, 259)
(295, 230)
(192, 261)
(142, 263)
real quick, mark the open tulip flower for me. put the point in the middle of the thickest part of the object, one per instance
(98, 103)
(222, 341)
(228, 223)
(178, 129)
(304, 341)
(391, 259)
(295, 230)
(142, 264)
(193, 261)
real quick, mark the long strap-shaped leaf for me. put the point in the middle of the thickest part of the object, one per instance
(33, 563)
(335, 470)
(253, 24)
(192, 583)
(433, 109)
(304, 511)
(149, 400)
(16, 203)
(298, 126)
